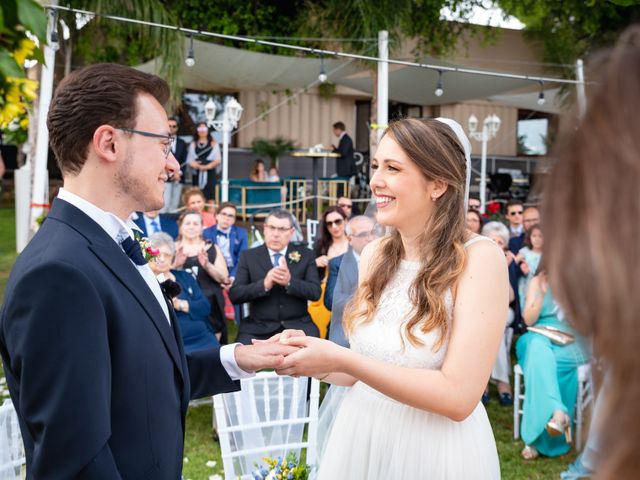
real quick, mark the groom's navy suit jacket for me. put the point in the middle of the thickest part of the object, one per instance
(97, 375)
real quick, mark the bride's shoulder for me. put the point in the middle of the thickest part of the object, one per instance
(483, 253)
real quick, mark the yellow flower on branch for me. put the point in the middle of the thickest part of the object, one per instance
(26, 47)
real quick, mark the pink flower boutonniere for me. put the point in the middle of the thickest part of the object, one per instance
(149, 252)
(294, 257)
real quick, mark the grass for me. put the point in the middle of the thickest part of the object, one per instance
(201, 448)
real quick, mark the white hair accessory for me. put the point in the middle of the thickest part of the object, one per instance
(466, 147)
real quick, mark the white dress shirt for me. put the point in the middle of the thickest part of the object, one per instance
(117, 229)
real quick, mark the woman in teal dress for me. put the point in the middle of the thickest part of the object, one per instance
(550, 374)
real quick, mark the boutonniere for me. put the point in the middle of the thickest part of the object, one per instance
(294, 257)
(149, 252)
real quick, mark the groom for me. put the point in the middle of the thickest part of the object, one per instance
(92, 350)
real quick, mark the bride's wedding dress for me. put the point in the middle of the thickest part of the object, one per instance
(376, 437)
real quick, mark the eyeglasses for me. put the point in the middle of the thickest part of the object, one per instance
(337, 223)
(345, 205)
(516, 213)
(167, 146)
(273, 228)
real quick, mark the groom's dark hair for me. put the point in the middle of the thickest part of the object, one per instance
(100, 94)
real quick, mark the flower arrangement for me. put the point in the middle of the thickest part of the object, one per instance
(148, 251)
(294, 257)
(279, 469)
(17, 47)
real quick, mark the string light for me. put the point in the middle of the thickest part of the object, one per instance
(323, 74)
(541, 99)
(439, 86)
(190, 61)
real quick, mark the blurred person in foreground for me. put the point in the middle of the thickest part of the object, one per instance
(594, 272)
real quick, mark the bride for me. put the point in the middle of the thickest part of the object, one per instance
(424, 324)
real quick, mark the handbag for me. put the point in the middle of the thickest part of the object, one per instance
(557, 337)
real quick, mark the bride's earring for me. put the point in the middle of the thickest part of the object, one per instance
(434, 197)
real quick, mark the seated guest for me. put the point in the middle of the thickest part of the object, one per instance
(332, 242)
(258, 172)
(497, 232)
(193, 199)
(154, 222)
(277, 280)
(273, 176)
(231, 239)
(207, 264)
(343, 274)
(191, 306)
(550, 374)
(528, 259)
(474, 221)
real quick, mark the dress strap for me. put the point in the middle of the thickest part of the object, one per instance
(475, 239)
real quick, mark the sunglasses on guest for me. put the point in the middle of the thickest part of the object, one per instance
(337, 222)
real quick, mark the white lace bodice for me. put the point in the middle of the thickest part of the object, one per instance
(381, 338)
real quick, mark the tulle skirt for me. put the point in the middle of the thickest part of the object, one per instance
(375, 437)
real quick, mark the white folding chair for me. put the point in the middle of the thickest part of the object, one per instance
(266, 417)
(583, 399)
(312, 232)
(12, 456)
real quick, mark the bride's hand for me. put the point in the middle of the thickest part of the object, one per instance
(280, 337)
(315, 358)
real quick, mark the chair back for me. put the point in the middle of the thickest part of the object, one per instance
(12, 456)
(312, 232)
(267, 417)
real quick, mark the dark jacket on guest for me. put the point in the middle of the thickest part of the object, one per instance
(279, 308)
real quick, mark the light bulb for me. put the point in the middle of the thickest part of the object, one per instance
(439, 86)
(541, 99)
(190, 61)
(322, 77)
(439, 91)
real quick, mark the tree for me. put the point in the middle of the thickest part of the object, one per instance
(105, 40)
(572, 29)
(21, 21)
(272, 148)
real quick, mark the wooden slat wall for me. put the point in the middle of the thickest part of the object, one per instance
(306, 119)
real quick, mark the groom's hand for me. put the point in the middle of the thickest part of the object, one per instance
(252, 358)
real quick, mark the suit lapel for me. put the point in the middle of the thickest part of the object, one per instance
(120, 265)
(112, 256)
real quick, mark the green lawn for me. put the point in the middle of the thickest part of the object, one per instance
(201, 448)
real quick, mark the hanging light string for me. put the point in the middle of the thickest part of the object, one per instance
(317, 51)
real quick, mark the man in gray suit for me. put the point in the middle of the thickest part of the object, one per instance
(340, 287)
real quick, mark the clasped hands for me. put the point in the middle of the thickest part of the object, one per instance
(279, 275)
(293, 353)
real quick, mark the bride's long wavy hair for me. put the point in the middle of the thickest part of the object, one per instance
(435, 149)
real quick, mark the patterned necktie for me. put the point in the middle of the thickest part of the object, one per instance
(155, 226)
(276, 259)
(132, 248)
